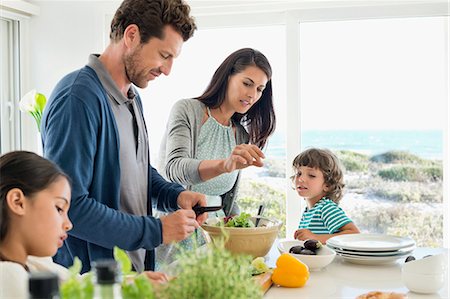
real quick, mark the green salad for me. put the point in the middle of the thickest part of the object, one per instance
(242, 220)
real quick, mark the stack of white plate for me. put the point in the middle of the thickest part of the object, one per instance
(371, 249)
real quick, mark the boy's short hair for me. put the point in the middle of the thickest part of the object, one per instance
(330, 166)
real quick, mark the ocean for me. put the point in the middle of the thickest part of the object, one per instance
(425, 144)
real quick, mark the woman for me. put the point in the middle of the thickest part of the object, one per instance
(212, 137)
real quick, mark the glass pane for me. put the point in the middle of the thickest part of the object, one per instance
(190, 76)
(374, 92)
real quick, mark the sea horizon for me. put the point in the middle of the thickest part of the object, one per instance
(427, 144)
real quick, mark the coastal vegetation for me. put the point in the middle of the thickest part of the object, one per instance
(395, 193)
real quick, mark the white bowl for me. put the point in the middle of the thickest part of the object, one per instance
(423, 283)
(434, 264)
(323, 258)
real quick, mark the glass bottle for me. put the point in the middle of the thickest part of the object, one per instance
(107, 280)
(43, 285)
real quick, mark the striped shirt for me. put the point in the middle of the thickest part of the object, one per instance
(325, 217)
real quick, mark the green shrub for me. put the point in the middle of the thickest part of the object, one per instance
(352, 161)
(434, 173)
(350, 154)
(411, 173)
(252, 194)
(425, 227)
(396, 157)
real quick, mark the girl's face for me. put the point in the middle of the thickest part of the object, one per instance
(45, 222)
(245, 89)
(310, 183)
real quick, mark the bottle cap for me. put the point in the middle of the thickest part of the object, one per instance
(106, 271)
(43, 285)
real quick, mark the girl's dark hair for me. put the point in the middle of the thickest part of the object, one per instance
(151, 16)
(330, 166)
(28, 172)
(260, 118)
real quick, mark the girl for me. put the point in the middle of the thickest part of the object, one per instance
(34, 201)
(319, 180)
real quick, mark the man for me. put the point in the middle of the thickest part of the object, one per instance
(93, 128)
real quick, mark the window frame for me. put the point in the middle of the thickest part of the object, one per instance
(291, 15)
(9, 107)
(20, 12)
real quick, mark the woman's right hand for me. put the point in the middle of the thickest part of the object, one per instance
(243, 156)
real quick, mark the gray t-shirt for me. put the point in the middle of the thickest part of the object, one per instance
(133, 153)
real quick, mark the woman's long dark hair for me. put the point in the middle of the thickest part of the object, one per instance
(28, 172)
(260, 118)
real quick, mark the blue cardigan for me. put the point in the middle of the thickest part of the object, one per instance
(79, 133)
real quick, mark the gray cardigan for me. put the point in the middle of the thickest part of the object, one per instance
(179, 147)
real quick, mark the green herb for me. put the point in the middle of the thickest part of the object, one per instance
(134, 286)
(123, 260)
(138, 287)
(210, 272)
(213, 273)
(77, 286)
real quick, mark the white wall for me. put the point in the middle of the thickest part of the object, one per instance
(61, 38)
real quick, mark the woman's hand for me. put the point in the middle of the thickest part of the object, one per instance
(242, 156)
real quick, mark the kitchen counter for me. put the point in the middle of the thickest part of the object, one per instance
(342, 279)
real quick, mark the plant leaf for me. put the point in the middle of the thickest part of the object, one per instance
(124, 261)
(40, 102)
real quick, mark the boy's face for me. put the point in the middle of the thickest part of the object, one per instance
(310, 183)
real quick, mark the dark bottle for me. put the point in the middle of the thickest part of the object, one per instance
(107, 280)
(43, 285)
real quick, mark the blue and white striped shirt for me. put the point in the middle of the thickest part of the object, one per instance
(325, 217)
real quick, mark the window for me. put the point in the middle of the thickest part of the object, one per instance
(375, 92)
(311, 47)
(10, 118)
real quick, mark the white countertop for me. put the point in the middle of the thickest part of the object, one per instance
(342, 279)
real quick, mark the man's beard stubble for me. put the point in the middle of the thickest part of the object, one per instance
(132, 73)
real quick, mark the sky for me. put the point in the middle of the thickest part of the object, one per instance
(374, 74)
(383, 74)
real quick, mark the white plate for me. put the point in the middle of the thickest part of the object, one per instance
(374, 260)
(402, 251)
(370, 242)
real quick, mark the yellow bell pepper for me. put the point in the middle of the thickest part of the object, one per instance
(290, 272)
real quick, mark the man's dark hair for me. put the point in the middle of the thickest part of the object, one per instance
(151, 16)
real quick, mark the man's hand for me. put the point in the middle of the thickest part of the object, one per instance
(156, 277)
(304, 234)
(187, 199)
(178, 225)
